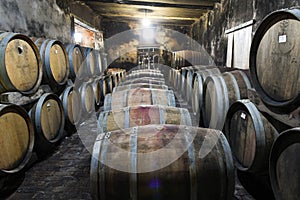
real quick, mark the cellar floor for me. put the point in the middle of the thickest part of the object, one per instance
(65, 174)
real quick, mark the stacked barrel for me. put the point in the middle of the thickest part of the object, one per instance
(151, 148)
(261, 123)
(46, 87)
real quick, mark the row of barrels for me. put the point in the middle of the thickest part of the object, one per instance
(41, 125)
(148, 142)
(260, 144)
(221, 100)
(29, 62)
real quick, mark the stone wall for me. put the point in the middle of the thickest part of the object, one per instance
(44, 18)
(209, 31)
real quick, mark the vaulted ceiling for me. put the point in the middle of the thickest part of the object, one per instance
(164, 12)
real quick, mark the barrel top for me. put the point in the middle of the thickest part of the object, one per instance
(22, 63)
(273, 60)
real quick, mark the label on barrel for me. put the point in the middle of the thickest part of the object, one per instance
(243, 116)
(282, 39)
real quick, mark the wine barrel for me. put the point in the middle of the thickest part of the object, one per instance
(20, 64)
(219, 92)
(98, 61)
(144, 80)
(145, 75)
(109, 83)
(140, 85)
(274, 63)
(71, 103)
(143, 115)
(284, 165)
(55, 62)
(189, 79)
(76, 59)
(196, 164)
(197, 87)
(16, 138)
(97, 92)
(47, 116)
(144, 70)
(90, 61)
(250, 136)
(87, 98)
(138, 96)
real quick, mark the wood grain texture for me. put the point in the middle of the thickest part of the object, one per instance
(21, 64)
(58, 63)
(14, 140)
(277, 58)
(188, 175)
(51, 120)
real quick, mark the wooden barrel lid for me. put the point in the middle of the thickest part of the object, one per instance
(51, 119)
(250, 136)
(58, 63)
(278, 69)
(77, 59)
(274, 60)
(16, 138)
(284, 165)
(73, 106)
(22, 64)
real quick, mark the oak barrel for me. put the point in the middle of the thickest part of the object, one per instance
(143, 115)
(284, 165)
(162, 162)
(98, 71)
(188, 89)
(144, 70)
(274, 60)
(71, 102)
(47, 116)
(76, 59)
(139, 96)
(250, 136)
(87, 98)
(145, 75)
(90, 61)
(140, 85)
(109, 83)
(20, 64)
(219, 92)
(55, 61)
(197, 87)
(16, 138)
(157, 81)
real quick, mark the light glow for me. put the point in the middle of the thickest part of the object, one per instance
(146, 22)
(78, 37)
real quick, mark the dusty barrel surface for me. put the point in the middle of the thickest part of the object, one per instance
(145, 75)
(71, 102)
(139, 96)
(284, 165)
(89, 56)
(20, 64)
(203, 169)
(143, 115)
(16, 138)
(188, 91)
(140, 85)
(250, 136)
(198, 80)
(47, 116)
(87, 98)
(274, 60)
(55, 61)
(219, 92)
(76, 59)
(157, 81)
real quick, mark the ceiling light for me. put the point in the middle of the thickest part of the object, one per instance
(77, 37)
(146, 22)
